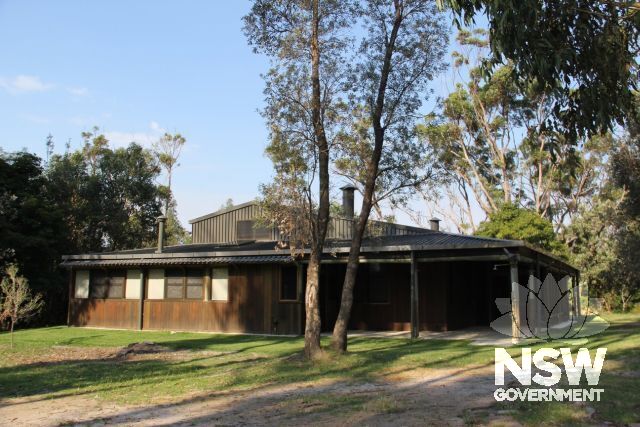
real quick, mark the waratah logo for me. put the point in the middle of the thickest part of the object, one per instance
(546, 313)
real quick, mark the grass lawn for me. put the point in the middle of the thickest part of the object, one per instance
(240, 362)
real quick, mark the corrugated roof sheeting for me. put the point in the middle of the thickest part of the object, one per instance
(176, 261)
(221, 226)
(436, 239)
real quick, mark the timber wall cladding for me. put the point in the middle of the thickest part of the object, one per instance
(108, 313)
(252, 306)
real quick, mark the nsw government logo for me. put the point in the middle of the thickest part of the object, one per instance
(548, 312)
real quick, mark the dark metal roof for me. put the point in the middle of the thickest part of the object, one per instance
(175, 261)
(269, 252)
(433, 240)
(427, 241)
(200, 247)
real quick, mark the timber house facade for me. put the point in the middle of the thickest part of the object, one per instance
(233, 278)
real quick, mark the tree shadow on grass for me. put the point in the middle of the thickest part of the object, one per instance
(257, 363)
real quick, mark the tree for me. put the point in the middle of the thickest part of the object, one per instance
(167, 151)
(513, 222)
(400, 53)
(405, 166)
(605, 238)
(582, 52)
(17, 303)
(108, 198)
(32, 229)
(305, 41)
(490, 138)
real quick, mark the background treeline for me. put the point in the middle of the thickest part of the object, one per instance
(92, 199)
(503, 171)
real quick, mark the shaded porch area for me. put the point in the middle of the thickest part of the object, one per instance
(424, 296)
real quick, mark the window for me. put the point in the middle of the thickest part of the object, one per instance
(289, 283)
(107, 284)
(248, 229)
(174, 282)
(220, 284)
(183, 283)
(194, 282)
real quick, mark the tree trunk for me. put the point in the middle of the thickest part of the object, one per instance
(12, 323)
(313, 323)
(312, 327)
(339, 338)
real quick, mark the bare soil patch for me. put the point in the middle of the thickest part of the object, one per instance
(410, 397)
(137, 351)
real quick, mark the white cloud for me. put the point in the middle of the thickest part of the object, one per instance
(22, 83)
(34, 118)
(145, 138)
(78, 91)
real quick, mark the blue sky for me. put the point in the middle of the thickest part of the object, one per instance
(136, 69)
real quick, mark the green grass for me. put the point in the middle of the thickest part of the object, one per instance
(244, 362)
(252, 362)
(620, 379)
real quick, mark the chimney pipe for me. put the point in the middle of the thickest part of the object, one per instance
(347, 201)
(161, 221)
(435, 224)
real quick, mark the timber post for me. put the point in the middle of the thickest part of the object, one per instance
(534, 324)
(207, 284)
(515, 299)
(578, 308)
(415, 315)
(70, 295)
(141, 302)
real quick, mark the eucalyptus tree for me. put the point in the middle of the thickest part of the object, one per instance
(582, 52)
(306, 41)
(491, 138)
(167, 150)
(400, 52)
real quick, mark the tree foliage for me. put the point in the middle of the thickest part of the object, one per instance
(93, 199)
(582, 52)
(398, 56)
(605, 238)
(167, 150)
(513, 222)
(493, 145)
(17, 303)
(306, 42)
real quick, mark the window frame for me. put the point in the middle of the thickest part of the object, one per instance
(184, 276)
(109, 273)
(281, 282)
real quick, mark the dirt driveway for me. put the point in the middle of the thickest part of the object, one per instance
(416, 397)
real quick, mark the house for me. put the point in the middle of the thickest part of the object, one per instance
(234, 278)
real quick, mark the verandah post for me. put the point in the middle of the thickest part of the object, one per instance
(515, 299)
(71, 294)
(415, 315)
(577, 287)
(534, 323)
